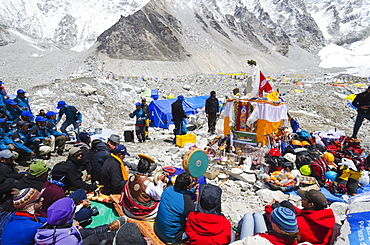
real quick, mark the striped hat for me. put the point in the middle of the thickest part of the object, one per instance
(285, 219)
(25, 198)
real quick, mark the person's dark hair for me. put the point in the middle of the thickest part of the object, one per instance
(235, 91)
(296, 236)
(143, 166)
(213, 92)
(183, 180)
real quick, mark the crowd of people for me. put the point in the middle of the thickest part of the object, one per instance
(50, 206)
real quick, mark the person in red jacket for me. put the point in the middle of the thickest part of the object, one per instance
(315, 222)
(207, 225)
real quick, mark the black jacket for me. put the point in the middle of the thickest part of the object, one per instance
(87, 162)
(361, 100)
(99, 158)
(178, 113)
(73, 179)
(8, 178)
(31, 181)
(212, 105)
(111, 176)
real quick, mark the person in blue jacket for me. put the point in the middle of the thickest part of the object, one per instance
(22, 224)
(176, 203)
(21, 141)
(5, 141)
(73, 116)
(140, 121)
(22, 100)
(41, 138)
(60, 138)
(3, 94)
(12, 110)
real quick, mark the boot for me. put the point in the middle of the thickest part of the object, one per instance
(115, 225)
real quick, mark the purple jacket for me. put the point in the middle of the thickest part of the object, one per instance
(70, 236)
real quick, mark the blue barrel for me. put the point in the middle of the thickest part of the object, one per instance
(154, 95)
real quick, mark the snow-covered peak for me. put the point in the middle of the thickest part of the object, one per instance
(67, 23)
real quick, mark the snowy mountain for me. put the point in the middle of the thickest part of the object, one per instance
(219, 34)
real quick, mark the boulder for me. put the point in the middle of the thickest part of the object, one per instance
(339, 209)
(267, 196)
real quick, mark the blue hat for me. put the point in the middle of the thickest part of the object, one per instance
(1, 82)
(61, 104)
(41, 119)
(121, 149)
(6, 154)
(10, 102)
(61, 211)
(26, 114)
(19, 91)
(138, 103)
(84, 137)
(51, 113)
(2, 119)
(285, 219)
(180, 98)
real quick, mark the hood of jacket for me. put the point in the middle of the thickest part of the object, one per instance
(102, 147)
(324, 218)
(61, 236)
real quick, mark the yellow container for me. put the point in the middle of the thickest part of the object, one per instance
(181, 140)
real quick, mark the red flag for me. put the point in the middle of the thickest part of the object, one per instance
(264, 85)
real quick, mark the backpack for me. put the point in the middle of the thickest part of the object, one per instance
(302, 160)
(75, 111)
(319, 167)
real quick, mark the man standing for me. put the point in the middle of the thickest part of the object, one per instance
(362, 103)
(145, 107)
(73, 116)
(212, 111)
(178, 115)
(140, 121)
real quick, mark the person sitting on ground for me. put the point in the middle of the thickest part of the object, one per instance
(22, 224)
(41, 139)
(22, 143)
(60, 229)
(284, 230)
(25, 116)
(140, 121)
(60, 138)
(207, 225)
(9, 176)
(90, 155)
(12, 110)
(103, 151)
(174, 208)
(315, 222)
(114, 173)
(36, 178)
(73, 116)
(84, 145)
(22, 100)
(52, 190)
(73, 179)
(42, 113)
(140, 196)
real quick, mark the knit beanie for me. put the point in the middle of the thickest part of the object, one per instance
(285, 219)
(24, 199)
(127, 234)
(84, 137)
(61, 211)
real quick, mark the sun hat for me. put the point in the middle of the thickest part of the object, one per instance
(114, 138)
(285, 219)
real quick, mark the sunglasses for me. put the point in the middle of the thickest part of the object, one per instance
(79, 155)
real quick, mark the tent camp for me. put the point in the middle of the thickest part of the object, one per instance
(160, 110)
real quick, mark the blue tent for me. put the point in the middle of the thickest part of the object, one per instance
(160, 110)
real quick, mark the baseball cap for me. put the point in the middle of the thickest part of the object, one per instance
(6, 154)
(315, 197)
(138, 103)
(38, 168)
(51, 113)
(180, 98)
(61, 104)
(19, 91)
(10, 102)
(1, 82)
(84, 137)
(41, 119)
(121, 149)
(2, 119)
(26, 114)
